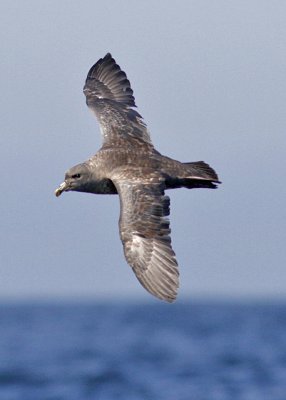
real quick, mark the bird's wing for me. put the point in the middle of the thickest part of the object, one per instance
(145, 234)
(109, 95)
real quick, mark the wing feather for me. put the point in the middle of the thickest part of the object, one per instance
(110, 96)
(145, 234)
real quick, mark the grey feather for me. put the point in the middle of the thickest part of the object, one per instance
(129, 165)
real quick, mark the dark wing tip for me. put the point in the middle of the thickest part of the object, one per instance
(106, 80)
(107, 59)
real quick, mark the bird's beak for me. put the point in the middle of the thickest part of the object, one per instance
(63, 186)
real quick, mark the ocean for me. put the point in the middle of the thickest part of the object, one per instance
(156, 351)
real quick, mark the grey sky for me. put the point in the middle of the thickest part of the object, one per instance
(209, 80)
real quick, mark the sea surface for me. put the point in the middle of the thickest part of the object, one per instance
(129, 351)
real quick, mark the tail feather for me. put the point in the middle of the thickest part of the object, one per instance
(190, 183)
(193, 175)
(199, 175)
(201, 170)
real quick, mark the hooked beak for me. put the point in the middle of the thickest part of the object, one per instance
(63, 187)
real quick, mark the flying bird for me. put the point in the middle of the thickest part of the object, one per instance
(128, 165)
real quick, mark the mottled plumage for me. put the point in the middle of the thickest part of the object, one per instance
(127, 164)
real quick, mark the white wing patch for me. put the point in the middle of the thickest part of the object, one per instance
(138, 247)
(155, 266)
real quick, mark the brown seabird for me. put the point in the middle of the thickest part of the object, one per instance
(128, 164)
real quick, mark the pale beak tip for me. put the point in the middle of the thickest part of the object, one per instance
(60, 189)
(58, 192)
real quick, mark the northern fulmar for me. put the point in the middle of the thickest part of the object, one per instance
(128, 164)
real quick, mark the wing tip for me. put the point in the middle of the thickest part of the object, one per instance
(106, 80)
(169, 298)
(158, 287)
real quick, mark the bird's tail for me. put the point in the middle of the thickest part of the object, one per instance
(199, 175)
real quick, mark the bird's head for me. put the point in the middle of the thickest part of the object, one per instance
(77, 178)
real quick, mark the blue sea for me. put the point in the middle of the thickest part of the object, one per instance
(156, 351)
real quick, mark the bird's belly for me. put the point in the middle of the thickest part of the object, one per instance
(105, 186)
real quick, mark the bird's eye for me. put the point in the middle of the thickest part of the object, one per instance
(76, 176)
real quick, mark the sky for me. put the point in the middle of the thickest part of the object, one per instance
(209, 80)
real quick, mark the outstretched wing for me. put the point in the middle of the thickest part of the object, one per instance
(145, 234)
(109, 95)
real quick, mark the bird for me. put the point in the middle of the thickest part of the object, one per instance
(128, 164)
